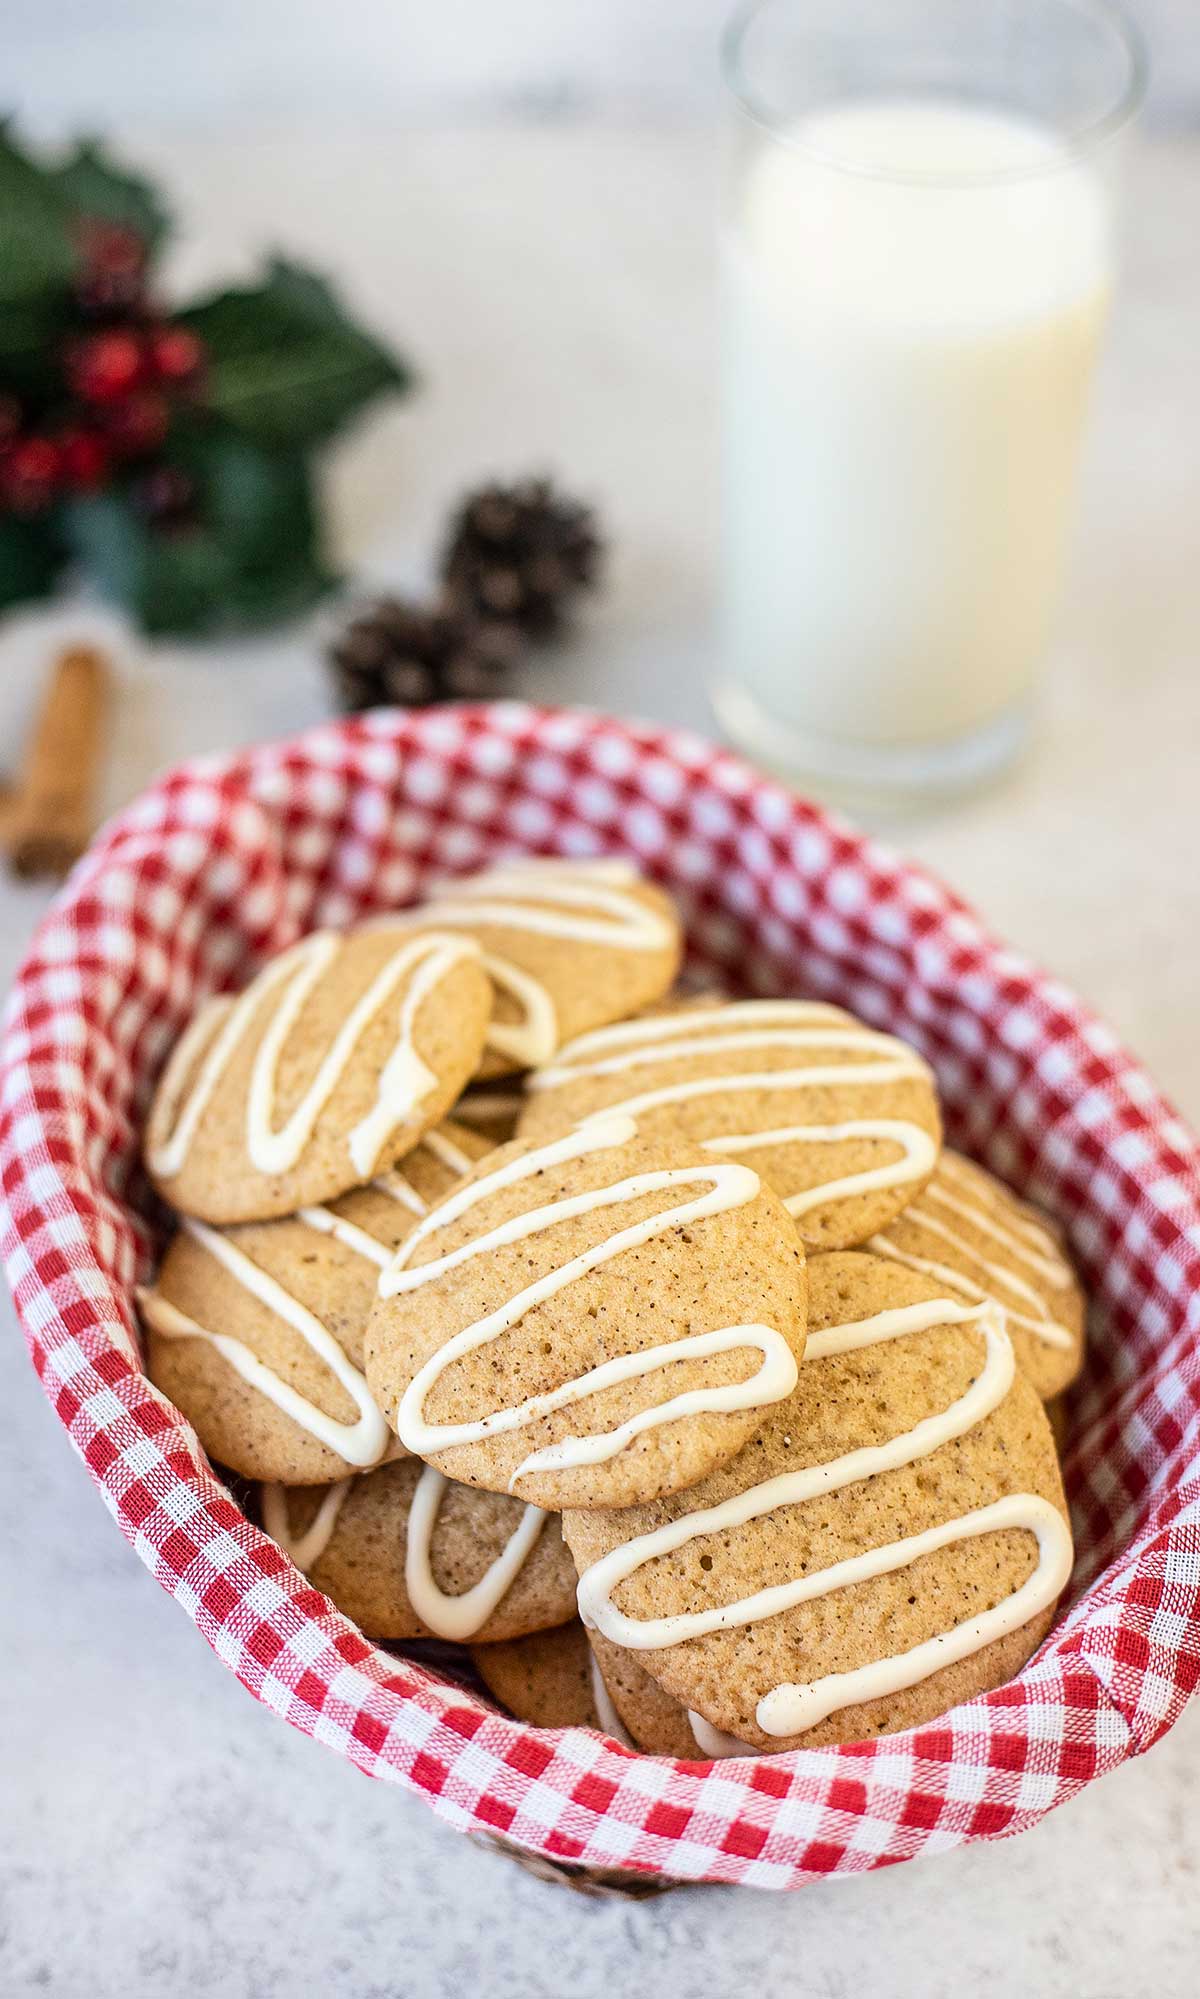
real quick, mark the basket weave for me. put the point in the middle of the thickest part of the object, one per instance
(229, 859)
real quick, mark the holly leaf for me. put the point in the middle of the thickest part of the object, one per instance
(30, 559)
(37, 253)
(251, 557)
(92, 184)
(285, 366)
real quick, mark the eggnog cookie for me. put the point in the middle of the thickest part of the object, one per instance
(546, 1680)
(568, 944)
(968, 1232)
(328, 1067)
(841, 1121)
(407, 1554)
(894, 1539)
(256, 1332)
(591, 1322)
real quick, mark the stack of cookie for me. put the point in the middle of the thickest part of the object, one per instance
(708, 1408)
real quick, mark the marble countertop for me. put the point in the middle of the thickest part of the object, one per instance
(162, 1834)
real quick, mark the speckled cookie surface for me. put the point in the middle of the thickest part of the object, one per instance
(327, 1261)
(842, 1122)
(328, 1067)
(970, 1232)
(362, 1565)
(545, 1680)
(553, 1262)
(866, 1388)
(569, 945)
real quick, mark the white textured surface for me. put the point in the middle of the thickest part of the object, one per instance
(103, 61)
(160, 1834)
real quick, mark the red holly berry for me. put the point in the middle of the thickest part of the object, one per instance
(29, 474)
(85, 458)
(138, 425)
(175, 355)
(106, 367)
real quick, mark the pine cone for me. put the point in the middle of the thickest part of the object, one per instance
(523, 553)
(407, 655)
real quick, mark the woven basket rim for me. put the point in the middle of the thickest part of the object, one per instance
(759, 873)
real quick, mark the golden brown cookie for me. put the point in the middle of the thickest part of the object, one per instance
(893, 1541)
(545, 1680)
(569, 945)
(969, 1232)
(841, 1121)
(327, 1068)
(408, 1554)
(256, 1332)
(590, 1322)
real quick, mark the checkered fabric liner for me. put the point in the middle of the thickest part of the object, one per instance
(229, 859)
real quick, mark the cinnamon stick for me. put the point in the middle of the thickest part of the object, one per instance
(48, 817)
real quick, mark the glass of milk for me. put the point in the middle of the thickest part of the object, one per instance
(917, 259)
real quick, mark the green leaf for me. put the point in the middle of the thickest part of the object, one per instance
(37, 253)
(285, 365)
(30, 559)
(91, 184)
(251, 558)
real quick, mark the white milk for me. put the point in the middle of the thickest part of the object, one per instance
(905, 377)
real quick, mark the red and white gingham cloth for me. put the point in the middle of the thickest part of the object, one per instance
(229, 859)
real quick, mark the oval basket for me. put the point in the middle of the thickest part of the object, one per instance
(226, 860)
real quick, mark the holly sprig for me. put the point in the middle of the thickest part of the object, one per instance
(168, 453)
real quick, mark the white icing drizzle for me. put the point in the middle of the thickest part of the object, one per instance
(398, 1189)
(791, 1710)
(580, 901)
(746, 1025)
(404, 1080)
(347, 1233)
(729, 1186)
(362, 1443)
(448, 1152)
(460, 1617)
(450, 1617)
(606, 1713)
(534, 1037)
(305, 1549)
(394, 1184)
(1052, 1268)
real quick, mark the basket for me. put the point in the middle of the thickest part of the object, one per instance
(226, 860)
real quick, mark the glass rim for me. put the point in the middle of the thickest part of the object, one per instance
(1088, 138)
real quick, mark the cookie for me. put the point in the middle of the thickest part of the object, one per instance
(256, 1332)
(969, 1232)
(894, 1539)
(328, 1067)
(590, 1322)
(545, 1680)
(841, 1121)
(635, 1709)
(407, 1554)
(569, 945)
